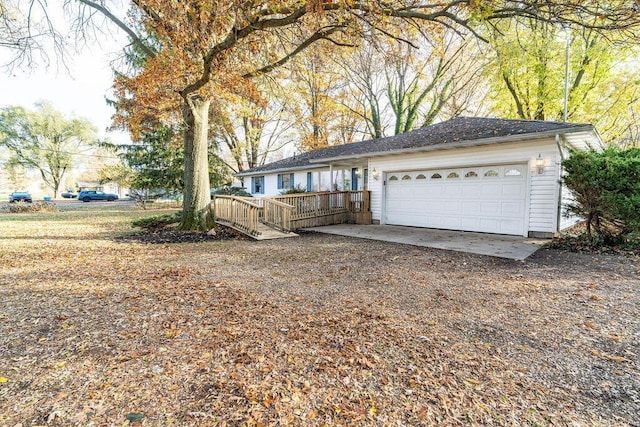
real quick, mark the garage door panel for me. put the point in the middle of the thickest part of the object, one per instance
(511, 209)
(470, 206)
(487, 200)
(512, 189)
(490, 208)
(453, 205)
(452, 223)
(453, 190)
(489, 224)
(491, 190)
(471, 190)
(436, 190)
(471, 224)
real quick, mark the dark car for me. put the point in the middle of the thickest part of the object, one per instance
(89, 195)
(69, 194)
(20, 196)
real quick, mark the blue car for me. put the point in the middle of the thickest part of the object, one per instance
(20, 196)
(89, 195)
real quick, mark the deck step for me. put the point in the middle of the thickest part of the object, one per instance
(266, 232)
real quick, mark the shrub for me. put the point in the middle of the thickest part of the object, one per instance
(294, 190)
(158, 221)
(606, 190)
(231, 191)
(23, 207)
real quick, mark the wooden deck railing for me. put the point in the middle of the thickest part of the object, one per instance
(310, 205)
(277, 214)
(239, 212)
(292, 211)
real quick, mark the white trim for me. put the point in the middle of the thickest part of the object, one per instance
(463, 144)
(527, 199)
(383, 197)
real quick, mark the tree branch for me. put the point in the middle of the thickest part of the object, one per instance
(323, 34)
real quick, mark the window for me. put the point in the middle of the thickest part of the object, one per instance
(436, 176)
(471, 174)
(421, 176)
(393, 178)
(453, 175)
(354, 179)
(512, 172)
(406, 178)
(257, 184)
(285, 181)
(490, 173)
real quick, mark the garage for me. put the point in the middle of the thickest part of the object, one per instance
(489, 199)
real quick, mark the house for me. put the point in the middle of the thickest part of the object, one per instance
(472, 174)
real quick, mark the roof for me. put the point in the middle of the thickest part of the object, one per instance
(456, 132)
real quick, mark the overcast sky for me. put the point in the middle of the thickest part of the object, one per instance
(80, 92)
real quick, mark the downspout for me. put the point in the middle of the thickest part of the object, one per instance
(559, 214)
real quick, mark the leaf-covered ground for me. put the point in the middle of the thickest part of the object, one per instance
(317, 330)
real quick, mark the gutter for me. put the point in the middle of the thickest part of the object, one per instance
(270, 171)
(459, 144)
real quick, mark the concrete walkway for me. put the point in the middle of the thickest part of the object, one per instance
(512, 247)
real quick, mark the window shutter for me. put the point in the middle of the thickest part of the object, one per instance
(253, 184)
(279, 181)
(291, 181)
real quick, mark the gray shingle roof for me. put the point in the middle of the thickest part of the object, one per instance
(458, 130)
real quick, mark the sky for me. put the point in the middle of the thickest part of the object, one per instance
(79, 91)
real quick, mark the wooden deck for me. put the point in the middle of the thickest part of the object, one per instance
(263, 232)
(275, 217)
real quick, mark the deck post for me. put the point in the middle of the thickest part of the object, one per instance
(330, 177)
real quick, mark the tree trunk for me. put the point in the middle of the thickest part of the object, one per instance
(197, 191)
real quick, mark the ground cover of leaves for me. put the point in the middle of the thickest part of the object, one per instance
(100, 330)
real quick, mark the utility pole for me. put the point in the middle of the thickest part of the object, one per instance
(566, 73)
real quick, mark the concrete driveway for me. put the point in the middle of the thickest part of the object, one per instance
(497, 245)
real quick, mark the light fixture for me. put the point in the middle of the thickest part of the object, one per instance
(540, 164)
(375, 173)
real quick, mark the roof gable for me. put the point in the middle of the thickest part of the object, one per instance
(445, 134)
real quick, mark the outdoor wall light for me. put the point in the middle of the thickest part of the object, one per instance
(375, 173)
(540, 164)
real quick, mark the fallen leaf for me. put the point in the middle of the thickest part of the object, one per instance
(589, 325)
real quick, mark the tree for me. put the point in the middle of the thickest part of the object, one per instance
(322, 118)
(153, 166)
(528, 70)
(251, 131)
(44, 140)
(416, 85)
(208, 49)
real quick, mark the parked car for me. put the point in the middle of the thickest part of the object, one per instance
(89, 195)
(20, 196)
(69, 194)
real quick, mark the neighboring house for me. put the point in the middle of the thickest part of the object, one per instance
(472, 174)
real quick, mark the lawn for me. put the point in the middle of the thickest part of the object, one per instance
(101, 330)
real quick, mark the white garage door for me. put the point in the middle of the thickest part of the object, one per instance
(490, 199)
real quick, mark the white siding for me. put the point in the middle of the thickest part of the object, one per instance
(320, 181)
(543, 193)
(567, 220)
